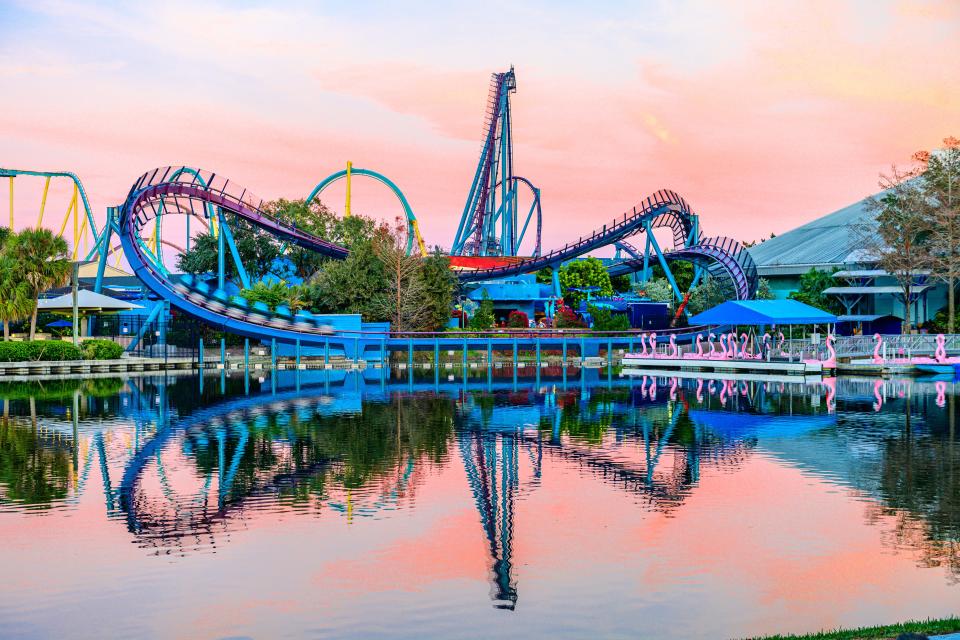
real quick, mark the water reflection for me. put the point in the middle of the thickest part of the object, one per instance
(185, 463)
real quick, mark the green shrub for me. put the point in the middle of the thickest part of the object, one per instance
(38, 350)
(101, 350)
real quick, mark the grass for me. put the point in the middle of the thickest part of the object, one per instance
(926, 627)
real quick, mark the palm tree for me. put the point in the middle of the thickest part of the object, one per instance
(42, 261)
(16, 296)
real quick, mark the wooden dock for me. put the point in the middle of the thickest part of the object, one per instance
(712, 365)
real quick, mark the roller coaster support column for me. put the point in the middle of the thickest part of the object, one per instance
(246, 354)
(223, 353)
(200, 361)
(227, 237)
(221, 262)
(102, 246)
(538, 353)
(298, 355)
(409, 352)
(663, 264)
(564, 341)
(436, 353)
(273, 354)
(464, 358)
(157, 309)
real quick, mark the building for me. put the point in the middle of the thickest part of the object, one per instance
(829, 244)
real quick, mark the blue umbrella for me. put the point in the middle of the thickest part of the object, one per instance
(60, 323)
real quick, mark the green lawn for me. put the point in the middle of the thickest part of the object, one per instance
(927, 627)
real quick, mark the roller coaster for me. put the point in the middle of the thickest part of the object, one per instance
(491, 227)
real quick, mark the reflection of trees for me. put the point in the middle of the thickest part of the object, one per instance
(919, 476)
(34, 465)
(295, 455)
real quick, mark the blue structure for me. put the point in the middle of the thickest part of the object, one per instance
(490, 224)
(763, 313)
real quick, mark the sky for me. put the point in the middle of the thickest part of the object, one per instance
(762, 115)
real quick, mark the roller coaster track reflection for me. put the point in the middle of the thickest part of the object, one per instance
(490, 447)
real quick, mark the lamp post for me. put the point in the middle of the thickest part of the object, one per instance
(75, 292)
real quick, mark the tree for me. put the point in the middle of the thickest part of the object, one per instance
(658, 290)
(439, 285)
(763, 290)
(258, 252)
(621, 284)
(545, 275)
(681, 270)
(483, 319)
(16, 299)
(900, 239)
(404, 294)
(940, 187)
(580, 274)
(811, 291)
(354, 285)
(42, 261)
(706, 295)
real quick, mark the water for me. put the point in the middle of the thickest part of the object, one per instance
(344, 504)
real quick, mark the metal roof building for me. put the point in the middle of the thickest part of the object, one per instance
(824, 243)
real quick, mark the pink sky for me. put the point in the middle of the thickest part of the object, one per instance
(763, 116)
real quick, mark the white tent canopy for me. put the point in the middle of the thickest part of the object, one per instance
(86, 301)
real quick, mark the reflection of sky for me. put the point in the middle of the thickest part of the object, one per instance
(775, 541)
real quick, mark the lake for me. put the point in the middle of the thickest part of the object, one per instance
(558, 503)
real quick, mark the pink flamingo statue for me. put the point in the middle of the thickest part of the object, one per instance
(643, 341)
(941, 393)
(674, 351)
(699, 345)
(783, 341)
(723, 346)
(877, 358)
(743, 351)
(732, 345)
(713, 348)
(700, 391)
(653, 345)
(941, 348)
(831, 361)
(764, 346)
(876, 394)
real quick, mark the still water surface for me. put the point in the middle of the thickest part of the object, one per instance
(346, 504)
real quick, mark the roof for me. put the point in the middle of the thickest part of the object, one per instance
(824, 242)
(89, 270)
(873, 273)
(763, 312)
(840, 291)
(85, 300)
(866, 317)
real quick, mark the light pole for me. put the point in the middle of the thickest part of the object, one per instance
(75, 292)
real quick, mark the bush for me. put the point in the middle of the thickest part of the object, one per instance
(100, 350)
(565, 318)
(605, 320)
(38, 350)
(518, 320)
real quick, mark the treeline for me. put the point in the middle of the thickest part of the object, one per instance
(378, 280)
